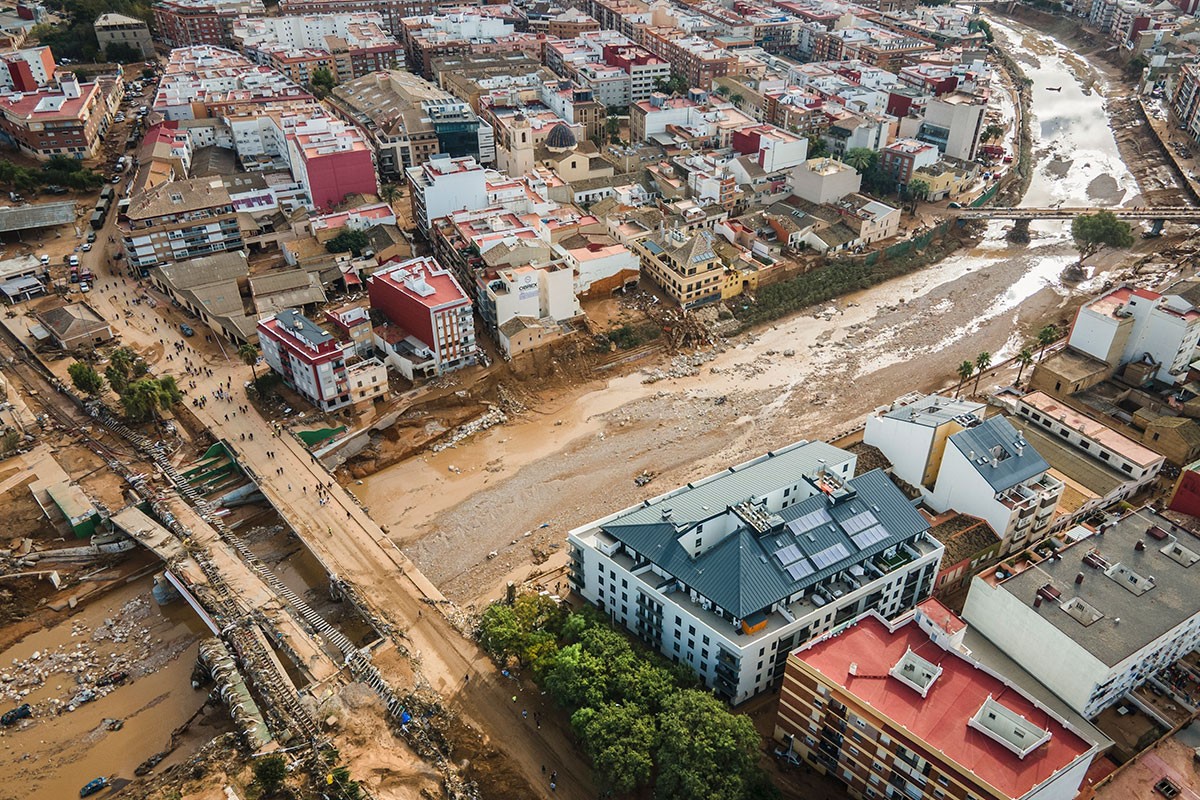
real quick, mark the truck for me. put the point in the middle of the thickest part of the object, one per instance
(97, 220)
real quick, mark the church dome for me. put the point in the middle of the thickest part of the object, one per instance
(560, 137)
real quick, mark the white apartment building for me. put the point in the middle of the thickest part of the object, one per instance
(730, 572)
(912, 432)
(443, 185)
(1126, 324)
(824, 180)
(989, 471)
(953, 122)
(1103, 616)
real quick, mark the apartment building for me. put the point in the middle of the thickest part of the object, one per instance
(430, 330)
(445, 34)
(824, 180)
(120, 29)
(316, 365)
(27, 70)
(684, 264)
(612, 65)
(392, 11)
(1128, 324)
(1185, 100)
(898, 709)
(990, 471)
(912, 432)
(903, 157)
(443, 185)
(183, 23)
(528, 303)
(68, 121)
(953, 123)
(408, 120)
(1105, 614)
(178, 220)
(694, 59)
(730, 572)
(330, 159)
(348, 45)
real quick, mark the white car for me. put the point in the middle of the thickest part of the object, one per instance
(73, 261)
(116, 179)
(85, 286)
(45, 260)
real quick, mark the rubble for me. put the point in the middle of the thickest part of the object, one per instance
(490, 419)
(681, 366)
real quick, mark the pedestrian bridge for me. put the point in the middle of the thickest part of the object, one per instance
(1174, 213)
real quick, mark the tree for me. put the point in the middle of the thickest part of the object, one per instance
(122, 53)
(124, 366)
(674, 84)
(861, 158)
(1094, 232)
(389, 192)
(1024, 359)
(724, 91)
(1136, 66)
(704, 750)
(992, 132)
(348, 241)
(621, 741)
(613, 128)
(918, 189)
(500, 632)
(817, 147)
(965, 370)
(86, 378)
(982, 362)
(145, 398)
(1046, 337)
(322, 81)
(248, 353)
(270, 772)
(736, 98)
(577, 679)
(982, 25)
(340, 786)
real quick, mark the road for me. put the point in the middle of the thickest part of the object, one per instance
(345, 539)
(1178, 213)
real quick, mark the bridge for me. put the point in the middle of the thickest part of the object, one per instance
(1149, 213)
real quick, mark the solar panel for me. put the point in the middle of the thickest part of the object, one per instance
(809, 521)
(859, 522)
(788, 555)
(830, 556)
(801, 569)
(872, 535)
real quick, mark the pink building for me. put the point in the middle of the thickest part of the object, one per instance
(331, 159)
(430, 329)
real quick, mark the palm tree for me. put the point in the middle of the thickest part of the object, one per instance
(1046, 337)
(736, 98)
(861, 158)
(1024, 358)
(388, 193)
(982, 362)
(248, 353)
(965, 370)
(148, 396)
(723, 91)
(918, 188)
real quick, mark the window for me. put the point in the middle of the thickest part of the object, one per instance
(1105, 456)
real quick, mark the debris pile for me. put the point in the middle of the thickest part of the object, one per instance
(681, 366)
(490, 419)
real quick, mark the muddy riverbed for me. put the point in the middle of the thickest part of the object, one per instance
(58, 749)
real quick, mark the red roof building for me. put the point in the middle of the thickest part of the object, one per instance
(430, 328)
(68, 121)
(896, 709)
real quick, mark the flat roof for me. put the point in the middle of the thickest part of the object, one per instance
(940, 718)
(1069, 461)
(1096, 431)
(1139, 595)
(36, 215)
(934, 410)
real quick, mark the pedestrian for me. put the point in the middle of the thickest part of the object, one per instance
(514, 698)
(467, 679)
(543, 769)
(553, 786)
(524, 713)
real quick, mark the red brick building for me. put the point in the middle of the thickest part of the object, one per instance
(68, 122)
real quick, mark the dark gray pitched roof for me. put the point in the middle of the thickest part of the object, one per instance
(742, 574)
(1010, 459)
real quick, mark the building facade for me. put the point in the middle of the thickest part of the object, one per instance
(729, 573)
(430, 328)
(898, 710)
(1105, 614)
(179, 220)
(120, 29)
(70, 121)
(183, 23)
(443, 185)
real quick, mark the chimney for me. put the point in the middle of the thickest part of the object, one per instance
(1140, 546)
(1078, 578)
(853, 668)
(1037, 601)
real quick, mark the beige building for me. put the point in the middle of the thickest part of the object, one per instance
(685, 265)
(120, 29)
(179, 220)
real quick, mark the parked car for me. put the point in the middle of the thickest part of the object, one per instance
(23, 711)
(187, 330)
(87, 246)
(73, 261)
(91, 237)
(116, 179)
(84, 696)
(84, 286)
(45, 259)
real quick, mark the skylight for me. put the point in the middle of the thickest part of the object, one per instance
(1000, 723)
(915, 672)
(1133, 582)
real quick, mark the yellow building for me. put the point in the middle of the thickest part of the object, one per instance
(685, 265)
